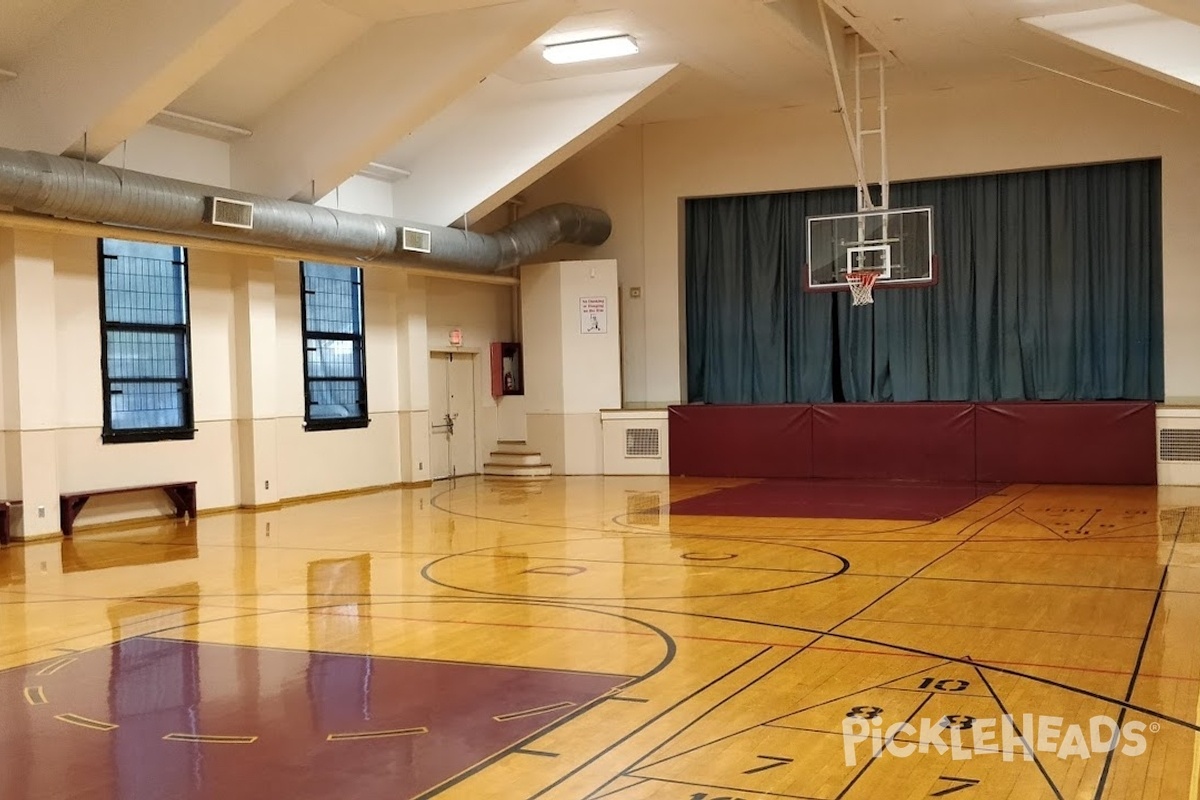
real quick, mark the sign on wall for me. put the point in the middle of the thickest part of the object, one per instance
(593, 315)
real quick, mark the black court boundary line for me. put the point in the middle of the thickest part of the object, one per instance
(162, 636)
(875, 756)
(771, 722)
(1021, 513)
(667, 508)
(997, 628)
(983, 524)
(965, 544)
(861, 640)
(759, 792)
(984, 751)
(915, 651)
(1020, 735)
(386, 597)
(618, 791)
(706, 563)
(637, 765)
(580, 710)
(663, 636)
(613, 745)
(1137, 665)
(427, 574)
(434, 502)
(59, 598)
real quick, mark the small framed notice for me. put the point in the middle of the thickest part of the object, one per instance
(593, 315)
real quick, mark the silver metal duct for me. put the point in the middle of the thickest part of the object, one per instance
(80, 190)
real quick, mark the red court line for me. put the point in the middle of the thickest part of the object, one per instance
(759, 643)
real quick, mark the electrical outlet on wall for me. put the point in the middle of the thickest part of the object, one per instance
(266, 484)
(41, 511)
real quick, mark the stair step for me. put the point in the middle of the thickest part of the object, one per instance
(515, 479)
(516, 470)
(515, 458)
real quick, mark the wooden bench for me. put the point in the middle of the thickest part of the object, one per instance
(6, 520)
(183, 495)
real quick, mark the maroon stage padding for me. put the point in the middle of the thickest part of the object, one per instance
(767, 441)
(901, 441)
(837, 499)
(1087, 443)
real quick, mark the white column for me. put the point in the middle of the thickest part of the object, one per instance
(29, 378)
(257, 408)
(571, 343)
(412, 366)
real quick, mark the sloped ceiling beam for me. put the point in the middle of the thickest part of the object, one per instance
(502, 136)
(395, 78)
(113, 64)
(1133, 35)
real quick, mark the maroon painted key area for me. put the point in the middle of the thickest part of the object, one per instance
(114, 722)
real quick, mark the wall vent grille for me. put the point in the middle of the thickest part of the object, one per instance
(642, 443)
(1179, 444)
(416, 240)
(230, 213)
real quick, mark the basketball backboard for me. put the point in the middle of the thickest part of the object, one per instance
(897, 243)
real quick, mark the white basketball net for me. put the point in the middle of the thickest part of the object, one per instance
(861, 283)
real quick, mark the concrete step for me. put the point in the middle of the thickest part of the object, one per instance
(515, 458)
(493, 470)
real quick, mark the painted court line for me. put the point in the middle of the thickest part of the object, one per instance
(353, 737)
(84, 722)
(533, 712)
(199, 738)
(50, 669)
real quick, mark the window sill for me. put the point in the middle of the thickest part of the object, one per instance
(149, 435)
(336, 424)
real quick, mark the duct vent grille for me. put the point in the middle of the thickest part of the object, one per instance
(417, 241)
(230, 213)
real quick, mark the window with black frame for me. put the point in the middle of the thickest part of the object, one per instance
(145, 346)
(335, 377)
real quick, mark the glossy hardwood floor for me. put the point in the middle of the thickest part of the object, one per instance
(574, 640)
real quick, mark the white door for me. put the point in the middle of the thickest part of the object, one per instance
(451, 415)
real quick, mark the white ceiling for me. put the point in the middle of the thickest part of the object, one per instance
(327, 86)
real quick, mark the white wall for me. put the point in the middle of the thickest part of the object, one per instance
(484, 314)
(83, 461)
(247, 376)
(173, 154)
(641, 174)
(361, 195)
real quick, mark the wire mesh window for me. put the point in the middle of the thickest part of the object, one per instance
(145, 360)
(335, 378)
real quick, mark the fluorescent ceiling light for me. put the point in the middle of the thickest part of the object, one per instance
(590, 49)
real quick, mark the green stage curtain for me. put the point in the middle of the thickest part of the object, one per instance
(1050, 288)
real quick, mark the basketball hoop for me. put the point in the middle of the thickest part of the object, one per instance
(861, 283)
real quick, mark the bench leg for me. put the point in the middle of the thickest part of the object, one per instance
(5, 531)
(184, 498)
(68, 509)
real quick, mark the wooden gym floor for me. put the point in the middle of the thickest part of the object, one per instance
(573, 640)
